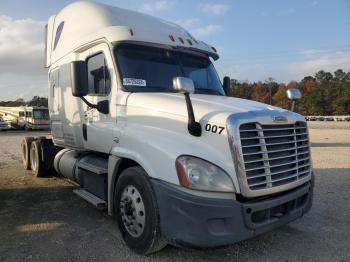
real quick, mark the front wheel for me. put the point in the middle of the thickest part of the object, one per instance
(137, 212)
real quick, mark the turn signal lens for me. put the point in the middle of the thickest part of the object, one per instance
(182, 174)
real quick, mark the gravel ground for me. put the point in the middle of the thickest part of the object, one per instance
(42, 220)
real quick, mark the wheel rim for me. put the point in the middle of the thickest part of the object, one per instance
(33, 158)
(132, 211)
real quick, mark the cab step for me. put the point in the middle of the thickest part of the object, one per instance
(99, 203)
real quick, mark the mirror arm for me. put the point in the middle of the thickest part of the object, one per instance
(88, 103)
(102, 106)
(293, 105)
(194, 127)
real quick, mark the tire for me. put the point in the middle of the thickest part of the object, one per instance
(135, 203)
(37, 166)
(25, 148)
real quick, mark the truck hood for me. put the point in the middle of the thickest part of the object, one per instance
(211, 108)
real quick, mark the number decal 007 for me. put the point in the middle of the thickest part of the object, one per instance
(214, 128)
(207, 127)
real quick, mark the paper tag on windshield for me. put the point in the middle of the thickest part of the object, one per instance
(134, 82)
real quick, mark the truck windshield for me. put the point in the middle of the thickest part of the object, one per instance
(150, 69)
(41, 114)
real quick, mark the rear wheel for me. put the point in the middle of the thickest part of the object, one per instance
(37, 166)
(137, 212)
(25, 147)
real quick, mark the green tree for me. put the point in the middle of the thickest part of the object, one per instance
(280, 98)
(38, 101)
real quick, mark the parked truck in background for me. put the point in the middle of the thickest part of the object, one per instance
(140, 121)
(26, 117)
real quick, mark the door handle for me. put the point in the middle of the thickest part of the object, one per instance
(85, 132)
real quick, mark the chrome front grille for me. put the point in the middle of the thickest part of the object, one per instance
(274, 155)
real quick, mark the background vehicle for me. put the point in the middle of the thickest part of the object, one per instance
(3, 124)
(328, 118)
(140, 121)
(26, 117)
(312, 118)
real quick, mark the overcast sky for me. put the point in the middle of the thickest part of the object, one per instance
(256, 39)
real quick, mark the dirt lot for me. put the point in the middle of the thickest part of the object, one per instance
(42, 220)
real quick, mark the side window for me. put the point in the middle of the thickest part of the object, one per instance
(58, 34)
(64, 76)
(21, 114)
(54, 81)
(98, 75)
(54, 99)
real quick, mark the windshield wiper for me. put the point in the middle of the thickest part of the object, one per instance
(207, 91)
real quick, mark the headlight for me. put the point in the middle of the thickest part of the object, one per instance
(196, 173)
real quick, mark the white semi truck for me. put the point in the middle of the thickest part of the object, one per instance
(26, 117)
(140, 121)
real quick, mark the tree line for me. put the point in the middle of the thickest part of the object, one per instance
(322, 94)
(35, 101)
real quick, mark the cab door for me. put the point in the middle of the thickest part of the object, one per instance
(98, 127)
(55, 106)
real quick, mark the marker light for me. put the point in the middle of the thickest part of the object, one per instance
(181, 40)
(172, 38)
(189, 41)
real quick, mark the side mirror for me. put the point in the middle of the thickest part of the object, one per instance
(80, 86)
(293, 94)
(103, 107)
(183, 85)
(226, 84)
(79, 78)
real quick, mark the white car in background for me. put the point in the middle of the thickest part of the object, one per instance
(3, 124)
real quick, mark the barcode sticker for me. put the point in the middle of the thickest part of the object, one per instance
(134, 82)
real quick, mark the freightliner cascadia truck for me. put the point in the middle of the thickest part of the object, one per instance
(140, 121)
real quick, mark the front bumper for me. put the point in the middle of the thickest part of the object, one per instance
(189, 220)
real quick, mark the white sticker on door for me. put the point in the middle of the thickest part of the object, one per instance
(134, 82)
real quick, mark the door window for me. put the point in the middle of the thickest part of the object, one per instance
(98, 75)
(54, 88)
